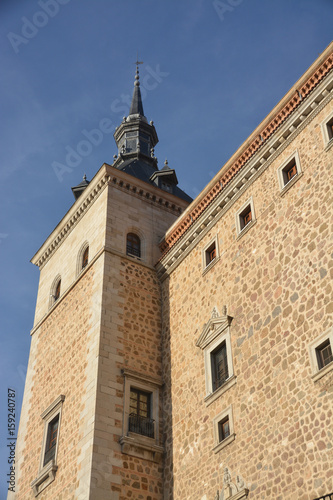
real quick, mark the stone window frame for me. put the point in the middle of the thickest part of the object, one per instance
(219, 445)
(223, 336)
(80, 255)
(215, 332)
(206, 250)
(285, 186)
(54, 285)
(317, 372)
(134, 444)
(47, 472)
(238, 218)
(327, 132)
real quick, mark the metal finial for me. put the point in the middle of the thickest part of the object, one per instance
(136, 81)
(166, 162)
(84, 177)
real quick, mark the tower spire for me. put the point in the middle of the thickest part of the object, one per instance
(136, 105)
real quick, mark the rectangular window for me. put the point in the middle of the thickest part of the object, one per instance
(289, 171)
(140, 420)
(329, 127)
(210, 253)
(51, 440)
(219, 365)
(245, 217)
(324, 354)
(224, 429)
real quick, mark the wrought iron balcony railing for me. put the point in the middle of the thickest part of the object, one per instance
(141, 425)
(329, 496)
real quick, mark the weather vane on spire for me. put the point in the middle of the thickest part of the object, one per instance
(137, 60)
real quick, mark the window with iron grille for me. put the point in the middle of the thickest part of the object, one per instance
(140, 420)
(219, 364)
(133, 245)
(324, 354)
(51, 440)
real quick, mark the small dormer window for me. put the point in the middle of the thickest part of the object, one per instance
(166, 187)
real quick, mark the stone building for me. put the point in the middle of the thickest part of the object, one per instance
(183, 349)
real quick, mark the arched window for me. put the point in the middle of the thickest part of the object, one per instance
(133, 245)
(57, 291)
(85, 257)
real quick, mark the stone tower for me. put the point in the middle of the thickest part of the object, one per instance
(91, 424)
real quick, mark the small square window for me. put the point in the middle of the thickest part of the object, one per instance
(245, 218)
(324, 354)
(321, 357)
(224, 429)
(289, 172)
(327, 129)
(329, 126)
(210, 254)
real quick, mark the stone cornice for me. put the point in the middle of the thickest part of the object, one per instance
(106, 176)
(223, 198)
(140, 189)
(262, 136)
(70, 220)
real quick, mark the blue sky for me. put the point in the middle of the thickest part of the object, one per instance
(213, 69)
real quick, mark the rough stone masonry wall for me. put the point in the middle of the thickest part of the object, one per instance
(130, 337)
(62, 361)
(277, 284)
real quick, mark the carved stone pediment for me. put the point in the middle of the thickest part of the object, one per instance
(232, 490)
(213, 328)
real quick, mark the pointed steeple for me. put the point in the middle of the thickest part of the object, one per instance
(136, 105)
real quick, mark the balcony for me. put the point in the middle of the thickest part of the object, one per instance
(141, 425)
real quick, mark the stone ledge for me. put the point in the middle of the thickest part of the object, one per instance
(141, 447)
(224, 443)
(322, 372)
(221, 390)
(290, 184)
(44, 478)
(246, 229)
